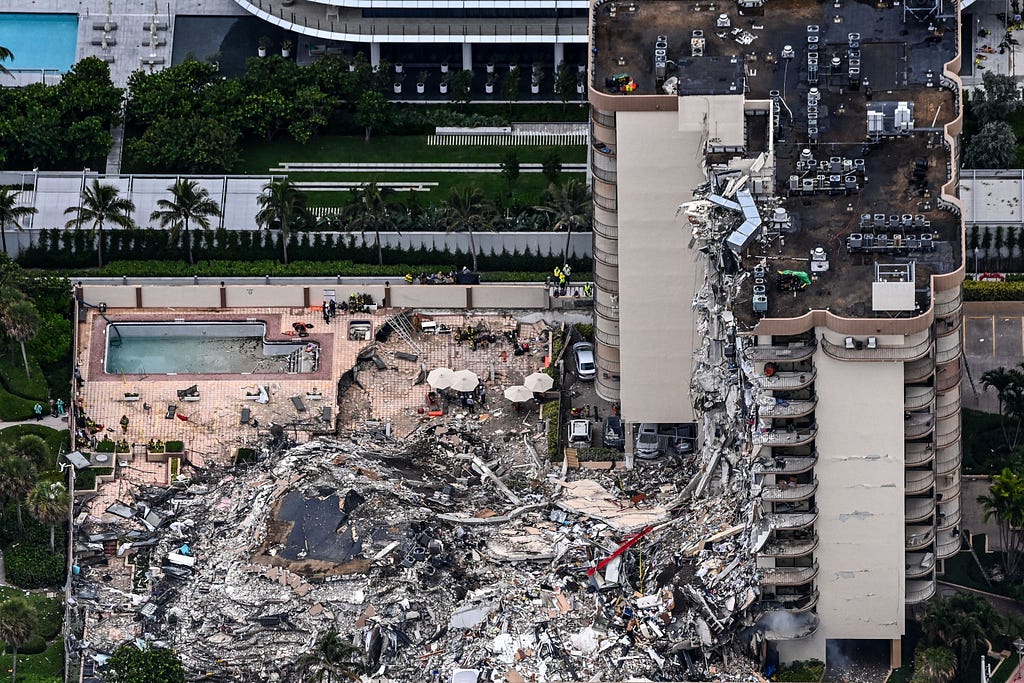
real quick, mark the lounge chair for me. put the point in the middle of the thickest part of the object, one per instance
(325, 414)
(299, 405)
(246, 416)
(171, 410)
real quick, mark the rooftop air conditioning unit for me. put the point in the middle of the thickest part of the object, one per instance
(855, 240)
(760, 303)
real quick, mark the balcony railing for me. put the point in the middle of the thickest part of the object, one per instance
(785, 626)
(780, 352)
(918, 371)
(794, 604)
(606, 257)
(948, 437)
(918, 426)
(783, 408)
(606, 284)
(919, 591)
(791, 520)
(947, 544)
(918, 509)
(949, 324)
(604, 201)
(781, 437)
(877, 352)
(918, 481)
(946, 410)
(947, 377)
(784, 381)
(949, 515)
(947, 459)
(609, 337)
(794, 464)
(918, 454)
(919, 564)
(604, 230)
(944, 308)
(947, 487)
(915, 398)
(782, 492)
(796, 547)
(949, 355)
(788, 576)
(601, 118)
(919, 536)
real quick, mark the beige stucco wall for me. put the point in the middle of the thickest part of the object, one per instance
(265, 295)
(860, 473)
(658, 167)
(510, 296)
(181, 296)
(721, 116)
(111, 295)
(429, 296)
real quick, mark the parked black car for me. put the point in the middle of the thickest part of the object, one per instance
(614, 435)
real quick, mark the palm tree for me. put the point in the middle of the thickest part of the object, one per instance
(1009, 386)
(934, 665)
(280, 203)
(34, 449)
(373, 209)
(101, 204)
(960, 624)
(5, 55)
(11, 214)
(49, 503)
(986, 246)
(189, 203)
(17, 477)
(568, 206)
(333, 659)
(18, 625)
(1012, 241)
(464, 210)
(1005, 503)
(21, 321)
(998, 243)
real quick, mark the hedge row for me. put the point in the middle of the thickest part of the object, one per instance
(74, 250)
(993, 291)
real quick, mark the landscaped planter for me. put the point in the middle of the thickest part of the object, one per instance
(490, 67)
(444, 67)
(398, 88)
(398, 67)
(444, 88)
(489, 88)
(174, 447)
(579, 88)
(421, 88)
(535, 88)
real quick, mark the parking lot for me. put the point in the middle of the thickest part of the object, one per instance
(993, 337)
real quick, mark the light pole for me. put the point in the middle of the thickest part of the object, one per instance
(1018, 645)
(975, 260)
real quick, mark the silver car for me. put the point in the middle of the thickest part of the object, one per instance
(648, 445)
(586, 370)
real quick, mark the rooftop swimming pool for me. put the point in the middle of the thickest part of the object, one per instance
(40, 41)
(192, 348)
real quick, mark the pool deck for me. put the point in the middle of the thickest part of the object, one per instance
(213, 428)
(132, 18)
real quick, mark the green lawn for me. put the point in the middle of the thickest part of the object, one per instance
(54, 438)
(259, 157)
(19, 393)
(41, 659)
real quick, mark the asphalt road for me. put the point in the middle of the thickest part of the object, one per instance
(993, 337)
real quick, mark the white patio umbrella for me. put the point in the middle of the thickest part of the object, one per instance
(464, 380)
(518, 393)
(538, 382)
(440, 378)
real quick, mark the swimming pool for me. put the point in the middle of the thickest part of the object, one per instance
(185, 348)
(40, 41)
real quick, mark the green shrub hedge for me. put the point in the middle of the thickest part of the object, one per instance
(550, 413)
(85, 480)
(1012, 290)
(807, 671)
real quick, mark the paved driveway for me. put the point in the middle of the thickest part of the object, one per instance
(993, 337)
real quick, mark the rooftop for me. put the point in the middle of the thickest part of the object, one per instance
(832, 176)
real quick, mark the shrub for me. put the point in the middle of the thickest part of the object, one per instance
(993, 291)
(175, 446)
(106, 446)
(245, 456)
(808, 671)
(85, 480)
(550, 413)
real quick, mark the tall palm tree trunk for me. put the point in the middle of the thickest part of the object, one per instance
(14, 664)
(568, 236)
(99, 243)
(472, 247)
(188, 240)
(21, 525)
(24, 357)
(380, 252)
(285, 235)
(53, 545)
(3, 236)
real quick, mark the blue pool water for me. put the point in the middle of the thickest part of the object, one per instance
(40, 41)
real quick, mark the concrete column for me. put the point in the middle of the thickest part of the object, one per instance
(467, 55)
(374, 54)
(559, 53)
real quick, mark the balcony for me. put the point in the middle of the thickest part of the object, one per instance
(918, 371)
(947, 459)
(919, 591)
(918, 425)
(949, 514)
(920, 564)
(777, 625)
(950, 353)
(783, 438)
(602, 118)
(949, 324)
(794, 604)
(783, 381)
(785, 465)
(918, 454)
(604, 229)
(918, 509)
(864, 350)
(783, 492)
(946, 410)
(948, 435)
(790, 547)
(948, 301)
(918, 481)
(785, 353)
(787, 576)
(947, 544)
(605, 198)
(947, 487)
(784, 408)
(947, 377)
(603, 163)
(791, 520)
(919, 536)
(915, 397)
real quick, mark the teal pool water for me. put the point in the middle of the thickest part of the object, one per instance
(40, 41)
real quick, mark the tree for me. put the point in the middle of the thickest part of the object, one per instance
(18, 625)
(994, 146)
(21, 321)
(49, 503)
(999, 242)
(34, 449)
(959, 623)
(975, 239)
(372, 111)
(568, 206)
(372, 209)
(129, 664)
(510, 87)
(986, 245)
(5, 55)
(997, 99)
(332, 659)
(1012, 241)
(464, 209)
(188, 203)
(565, 83)
(551, 166)
(11, 213)
(1005, 503)
(460, 86)
(510, 169)
(1009, 386)
(934, 665)
(101, 204)
(280, 203)
(17, 477)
